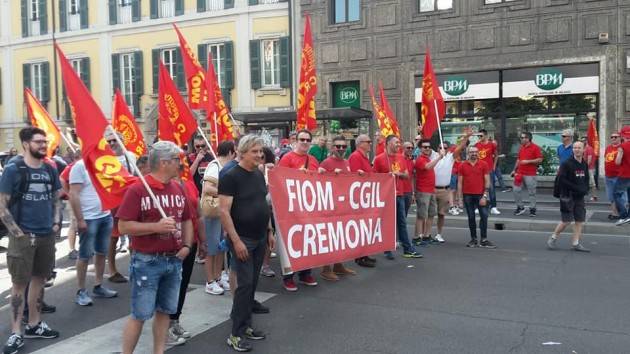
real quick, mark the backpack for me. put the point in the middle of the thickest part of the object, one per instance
(15, 201)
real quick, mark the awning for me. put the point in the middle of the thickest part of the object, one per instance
(341, 114)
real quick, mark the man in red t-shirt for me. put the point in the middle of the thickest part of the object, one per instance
(426, 201)
(623, 180)
(611, 171)
(529, 157)
(473, 184)
(488, 154)
(408, 183)
(335, 163)
(300, 159)
(159, 245)
(391, 161)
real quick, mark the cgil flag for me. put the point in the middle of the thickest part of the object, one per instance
(592, 137)
(218, 112)
(388, 111)
(384, 124)
(124, 123)
(306, 118)
(195, 75)
(109, 178)
(433, 107)
(41, 119)
(176, 122)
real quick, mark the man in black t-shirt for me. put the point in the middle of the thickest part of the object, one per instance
(241, 190)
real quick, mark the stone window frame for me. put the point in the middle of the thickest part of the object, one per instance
(331, 15)
(416, 16)
(435, 10)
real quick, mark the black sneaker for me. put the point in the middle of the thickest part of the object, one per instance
(14, 343)
(48, 308)
(238, 344)
(259, 308)
(413, 254)
(253, 334)
(519, 210)
(389, 255)
(472, 243)
(532, 212)
(487, 244)
(41, 330)
(416, 241)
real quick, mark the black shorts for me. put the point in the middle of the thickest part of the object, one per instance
(572, 209)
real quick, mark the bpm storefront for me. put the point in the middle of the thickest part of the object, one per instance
(541, 100)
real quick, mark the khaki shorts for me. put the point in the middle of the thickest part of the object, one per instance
(441, 195)
(426, 205)
(30, 256)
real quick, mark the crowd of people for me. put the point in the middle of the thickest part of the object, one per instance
(200, 209)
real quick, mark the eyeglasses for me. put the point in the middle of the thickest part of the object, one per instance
(111, 142)
(566, 136)
(200, 146)
(40, 142)
(366, 141)
(614, 136)
(305, 140)
(341, 146)
(409, 148)
(426, 147)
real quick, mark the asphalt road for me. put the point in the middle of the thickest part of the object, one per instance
(518, 298)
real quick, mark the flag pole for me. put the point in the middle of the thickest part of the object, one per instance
(209, 146)
(136, 170)
(437, 117)
(65, 139)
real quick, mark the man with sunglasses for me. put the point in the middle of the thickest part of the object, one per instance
(408, 183)
(623, 180)
(488, 154)
(611, 171)
(199, 160)
(565, 150)
(524, 173)
(426, 202)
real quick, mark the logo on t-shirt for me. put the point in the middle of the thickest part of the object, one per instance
(580, 173)
(611, 156)
(395, 166)
(483, 153)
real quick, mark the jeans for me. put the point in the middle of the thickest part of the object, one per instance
(610, 188)
(95, 240)
(401, 225)
(471, 202)
(408, 198)
(187, 268)
(499, 178)
(493, 192)
(530, 183)
(621, 190)
(247, 273)
(155, 282)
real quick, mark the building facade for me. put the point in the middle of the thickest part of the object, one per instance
(503, 65)
(118, 44)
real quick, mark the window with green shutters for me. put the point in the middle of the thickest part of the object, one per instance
(214, 5)
(172, 60)
(270, 63)
(36, 76)
(166, 8)
(82, 67)
(127, 76)
(222, 59)
(34, 17)
(123, 11)
(73, 15)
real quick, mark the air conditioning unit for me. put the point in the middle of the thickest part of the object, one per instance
(603, 38)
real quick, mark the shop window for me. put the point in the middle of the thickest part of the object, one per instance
(434, 5)
(345, 11)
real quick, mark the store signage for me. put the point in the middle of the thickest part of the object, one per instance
(349, 95)
(455, 86)
(346, 94)
(480, 85)
(549, 79)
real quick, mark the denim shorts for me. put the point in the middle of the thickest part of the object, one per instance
(95, 240)
(214, 234)
(453, 185)
(155, 282)
(610, 188)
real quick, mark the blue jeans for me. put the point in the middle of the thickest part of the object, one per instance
(471, 202)
(408, 198)
(621, 190)
(493, 192)
(155, 282)
(401, 225)
(95, 240)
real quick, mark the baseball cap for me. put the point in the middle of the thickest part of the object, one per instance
(625, 132)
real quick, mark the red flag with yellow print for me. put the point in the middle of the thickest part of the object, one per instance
(431, 98)
(384, 124)
(218, 112)
(124, 123)
(195, 75)
(306, 117)
(388, 111)
(176, 122)
(109, 177)
(41, 119)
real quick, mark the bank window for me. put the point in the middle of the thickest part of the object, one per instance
(435, 5)
(346, 11)
(271, 62)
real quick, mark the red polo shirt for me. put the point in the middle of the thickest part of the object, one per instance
(530, 151)
(610, 167)
(297, 161)
(407, 183)
(425, 179)
(473, 176)
(358, 161)
(384, 163)
(624, 171)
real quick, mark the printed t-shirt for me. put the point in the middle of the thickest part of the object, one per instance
(610, 167)
(385, 163)
(487, 152)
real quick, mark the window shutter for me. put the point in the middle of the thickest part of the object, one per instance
(179, 7)
(179, 71)
(135, 11)
(253, 2)
(285, 62)
(228, 4)
(84, 12)
(155, 54)
(63, 15)
(45, 82)
(138, 81)
(85, 72)
(25, 19)
(254, 63)
(115, 72)
(201, 5)
(228, 67)
(154, 9)
(113, 12)
(227, 97)
(26, 75)
(202, 54)
(43, 17)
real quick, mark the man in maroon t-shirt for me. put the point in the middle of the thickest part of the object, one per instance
(159, 245)
(335, 163)
(473, 184)
(529, 157)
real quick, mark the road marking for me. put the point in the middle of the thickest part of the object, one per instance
(201, 312)
(541, 233)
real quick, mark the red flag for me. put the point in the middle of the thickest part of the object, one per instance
(306, 118)
(41, 119)
(388, 111)
(384, 124)
(124, 123)
(431, 96)
(109, 177)
(218, 112)
(195, 76)
(592, 137)
(176, 122)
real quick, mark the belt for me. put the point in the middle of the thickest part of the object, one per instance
(438, 187)
(161, 254)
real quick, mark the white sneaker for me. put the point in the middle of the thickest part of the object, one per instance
(200, 260)
(495, 211)
(439, 238)
(477, 211)
(174, 340)
(214, 288)
(225, 276)
(224, 283)
(273, 255)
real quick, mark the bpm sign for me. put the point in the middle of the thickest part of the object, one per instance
(455, 86)
(348, 95)
(549, 79)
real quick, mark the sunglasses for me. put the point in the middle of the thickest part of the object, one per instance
(426, 147)
(200, 146)
(614, 136)
(305, 140)
(566, 136)
(409, 148)
(111, 142)
(341, 146)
